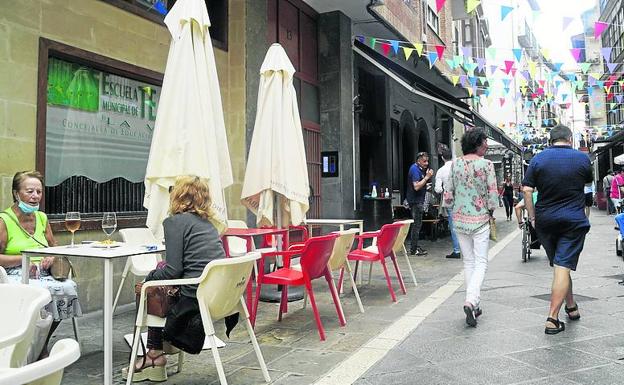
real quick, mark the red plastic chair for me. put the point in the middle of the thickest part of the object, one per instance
(386, 238)
(315, 255)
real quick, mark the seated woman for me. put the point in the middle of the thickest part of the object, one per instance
(192, 241)
(23, 226)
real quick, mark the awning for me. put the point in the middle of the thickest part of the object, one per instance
(496, 133)
(614, 141)
(425, 89)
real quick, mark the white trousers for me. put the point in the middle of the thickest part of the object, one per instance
(474, 249)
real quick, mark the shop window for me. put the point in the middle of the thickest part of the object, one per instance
(155, 10)
(95, 122)
(433, 20)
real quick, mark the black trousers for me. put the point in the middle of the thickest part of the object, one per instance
(508, 202)
(417, 214)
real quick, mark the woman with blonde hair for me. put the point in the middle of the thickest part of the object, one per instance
(192, 241)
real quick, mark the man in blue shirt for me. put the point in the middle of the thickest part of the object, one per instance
(559, 173)
(418, 177)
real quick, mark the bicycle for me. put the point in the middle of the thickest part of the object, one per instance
(529, 240)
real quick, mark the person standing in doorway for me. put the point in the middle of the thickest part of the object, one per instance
(508, 197)
(617, 184)
(441, 181)
(559, 173)
(589, 197)
(606, 187)
(418, 177)
(473, 195)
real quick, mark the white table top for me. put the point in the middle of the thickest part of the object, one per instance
(88, 251)
(332, 221)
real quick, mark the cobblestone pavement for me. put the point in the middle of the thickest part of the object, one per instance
(509, 345)
(292, 349)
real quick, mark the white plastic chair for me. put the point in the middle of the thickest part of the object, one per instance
(22, 305)
(399, 246)
(48, 371)
(219, 294)
(139, 265)
(237, 245)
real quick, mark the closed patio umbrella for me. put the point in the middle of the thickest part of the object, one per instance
(189, 134)
(276, 165)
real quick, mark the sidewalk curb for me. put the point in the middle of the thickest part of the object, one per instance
(349, 370)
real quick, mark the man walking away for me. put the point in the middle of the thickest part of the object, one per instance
(418, 177)
(559, 173)
(441, 183)
(606, 187)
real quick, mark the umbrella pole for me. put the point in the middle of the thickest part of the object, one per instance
(271, 293)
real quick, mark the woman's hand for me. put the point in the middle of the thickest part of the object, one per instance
(46, 263)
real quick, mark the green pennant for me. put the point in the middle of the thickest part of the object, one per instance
(372, 42)
(584, 67)
(491, 53)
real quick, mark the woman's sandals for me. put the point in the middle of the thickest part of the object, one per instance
(559, 326)
(148, 371)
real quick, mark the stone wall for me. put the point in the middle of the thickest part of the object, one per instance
(98, 27)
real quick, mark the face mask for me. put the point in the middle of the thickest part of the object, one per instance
(26, 208)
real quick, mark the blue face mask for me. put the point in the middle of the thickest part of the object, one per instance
(26, 208)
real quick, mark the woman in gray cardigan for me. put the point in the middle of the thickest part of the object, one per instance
(192, 241)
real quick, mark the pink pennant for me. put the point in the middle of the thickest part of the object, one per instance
(386, 48)
(508, 65)
(513, 71)
(576, 54)
(599, 28)
(440, 4)
(502, 101)
(440, 50)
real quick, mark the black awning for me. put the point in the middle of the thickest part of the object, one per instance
(613, 141)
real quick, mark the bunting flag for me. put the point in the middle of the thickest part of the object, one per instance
(360, 38)
(451, 63)
(565, 23)
(458, 60)
(454, 79)
(611, 67)
(471, 5)
(407, 52)
(505, 10)
(532, 68)
(557, 67)
(576, 54)
(508, 65)
(440, 50)
(502, 101)
(491, 53)
(466, 51)
(606, 53)
(372, 42)
(546, 53)
(395, 46)
(517, 54)
(599, 28)
(433, 57)
(481, 63)
(419, 48)
(385, 47)
(440, 5)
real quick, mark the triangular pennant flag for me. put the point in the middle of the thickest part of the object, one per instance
(360, 38)
(395, 46)
(508, 65)
(517, 54)
(472, 80)
(505, 10)
(419, 48)
(440, 50)
(612, 66)
(526, 74)
(566, 22)
(585, 67)
(599, 28)
(454, 79)
(600, 83)
(502, 101)
(493, 69)
(576, 54)
(407, 52)
(491, 53)
(451, 63)
(619, 98)
(433, 57)
(372, 42)
(558, 83)
(471, 5)
(466, 51)
(564, 97)
(557, 67)
(506, 82)
(606, 53)
(621, 83)
(462, 80)
(439, 5)
(481, 63)
(532, 68)
(385, 47)
(546, 53)
(470, 91)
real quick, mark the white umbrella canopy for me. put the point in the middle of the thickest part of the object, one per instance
(189, 134)
(619, 160)
(276, 166)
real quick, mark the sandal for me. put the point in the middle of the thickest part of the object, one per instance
(572, 309)
(150, 372)
(560, 326)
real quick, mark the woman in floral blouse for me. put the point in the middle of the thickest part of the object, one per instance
(472, 194)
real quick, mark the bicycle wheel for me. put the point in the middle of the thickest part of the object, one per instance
(525, 243)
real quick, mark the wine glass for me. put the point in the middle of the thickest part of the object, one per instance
(72, 223)
(109, 225)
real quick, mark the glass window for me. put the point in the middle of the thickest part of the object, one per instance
(432, 19)
(98, 132)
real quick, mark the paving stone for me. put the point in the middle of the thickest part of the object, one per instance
(418, 376)
(559, 359)
(308, 362)
(492, 370)
(611, 346)
(612, 374)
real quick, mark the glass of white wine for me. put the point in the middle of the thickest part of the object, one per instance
(109, 225)
(72, 223)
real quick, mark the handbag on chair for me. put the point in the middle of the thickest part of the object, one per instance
(159, 299)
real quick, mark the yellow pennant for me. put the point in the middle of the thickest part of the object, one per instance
(455, 79)
(532, 69)
(546, 53)
(419, 48)
(407, 52)
(471, 5)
